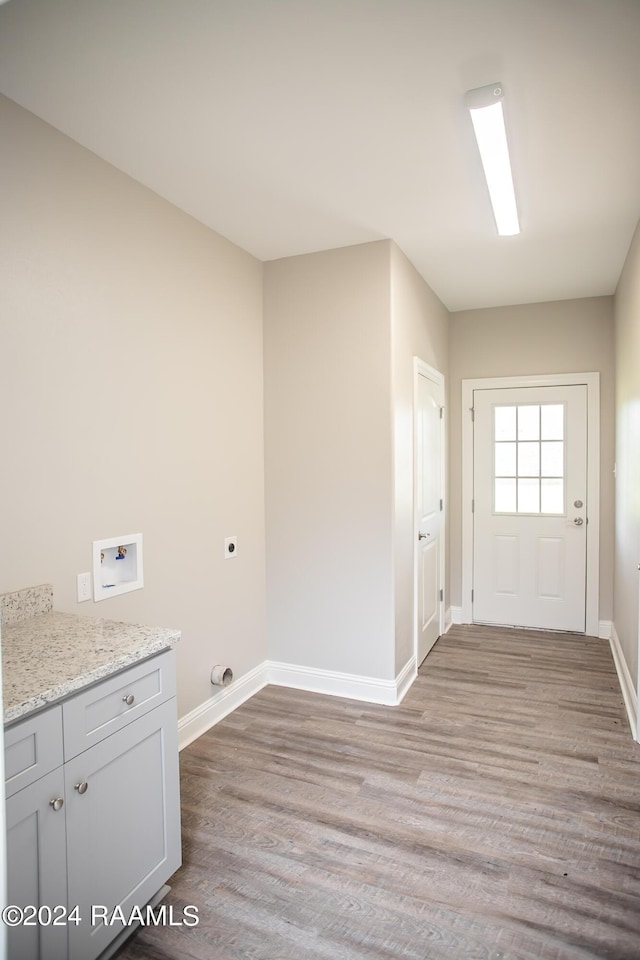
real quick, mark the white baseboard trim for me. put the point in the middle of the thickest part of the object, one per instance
(447, 620)
(205, 716)
(352, 686)
(336, 684)
(626, 683)
(405, 678)
(604, 629)
(456, 615)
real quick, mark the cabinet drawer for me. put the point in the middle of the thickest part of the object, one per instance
(98, 712)
(32, 747)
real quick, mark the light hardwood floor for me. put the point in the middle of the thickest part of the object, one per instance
(495, 814)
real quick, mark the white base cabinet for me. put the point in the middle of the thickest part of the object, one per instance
(115, 838)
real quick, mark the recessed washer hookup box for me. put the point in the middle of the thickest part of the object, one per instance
(117, 566)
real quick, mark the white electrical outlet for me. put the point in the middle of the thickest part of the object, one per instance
(231, 547)
(84, 587)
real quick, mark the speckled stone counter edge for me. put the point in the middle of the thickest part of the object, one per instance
(58, 693)
(48, 655)
(23, 604)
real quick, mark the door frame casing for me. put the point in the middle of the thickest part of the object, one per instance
(420, 368)
(592, 382)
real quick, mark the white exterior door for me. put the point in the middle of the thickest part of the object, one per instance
(429, 406)
(530, 506)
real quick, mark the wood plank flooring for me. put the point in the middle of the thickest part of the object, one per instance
(493, 815)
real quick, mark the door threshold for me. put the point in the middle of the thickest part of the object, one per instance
(519, 626)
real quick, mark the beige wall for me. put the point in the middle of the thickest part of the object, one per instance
(328, 460)
(565, 336)
(132, 387)
(627, 556)
(131, 345)
(419, 325)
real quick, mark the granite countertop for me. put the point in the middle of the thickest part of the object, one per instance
(47, 656)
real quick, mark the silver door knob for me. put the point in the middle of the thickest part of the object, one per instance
(578, 521)
(56, 803)
(129, 699)
(423, 536)
(82, 787)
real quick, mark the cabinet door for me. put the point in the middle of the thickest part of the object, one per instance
(36, 866)
(123, 830)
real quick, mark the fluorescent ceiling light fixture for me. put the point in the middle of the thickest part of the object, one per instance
(487, 116)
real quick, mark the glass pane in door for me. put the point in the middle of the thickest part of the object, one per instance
(529, 458)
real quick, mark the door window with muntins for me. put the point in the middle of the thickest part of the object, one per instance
(529, 458)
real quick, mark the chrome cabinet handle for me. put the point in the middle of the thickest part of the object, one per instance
(56, 803)
(129, 699)
(82, 786)
(578, 521)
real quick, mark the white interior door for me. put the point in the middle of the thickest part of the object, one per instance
(429, 407)
(530, 506)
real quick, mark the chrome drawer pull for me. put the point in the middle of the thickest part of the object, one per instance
(56, 803)
(82, 787)
(129, 699)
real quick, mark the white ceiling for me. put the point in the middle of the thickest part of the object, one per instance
(291, 126)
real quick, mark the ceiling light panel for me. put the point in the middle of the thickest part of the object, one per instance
(485, 105)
